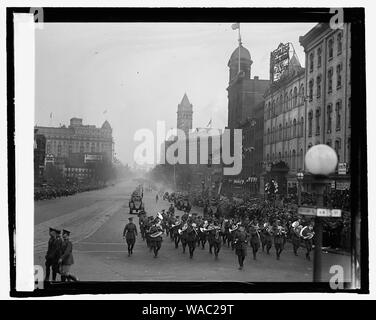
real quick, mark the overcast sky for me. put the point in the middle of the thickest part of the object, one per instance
(139, 72)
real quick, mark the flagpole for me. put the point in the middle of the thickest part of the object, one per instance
(240, 42)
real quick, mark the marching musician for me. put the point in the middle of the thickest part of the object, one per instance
(307, 235)
(130, 234)
(240, 242)
(267, 233)
(279, 238)
(295, 235)
(155, 233)
(254, 232)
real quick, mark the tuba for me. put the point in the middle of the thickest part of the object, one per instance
(307, 234)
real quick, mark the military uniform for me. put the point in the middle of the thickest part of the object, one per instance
(130, 233)
(240, 242)
(255, 239)
(53, 255)
(66, 258)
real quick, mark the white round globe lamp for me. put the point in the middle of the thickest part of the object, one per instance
(321, 160)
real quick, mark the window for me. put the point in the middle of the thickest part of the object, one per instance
(318, 121)
(290, 100)
(310, 145)
(286, 131)
(268, 136)
(295, 97)
(349, 117)
(269, 111)
(301, 126)
(279, 156)
(301, 159)
(92, 147)
(59, 150)
(293, 160)
(339, 43)
(280, 131)
(48, 148)
(310, 118)
(70, 148)
(311, 58)
(337, 148)
(286, 102)
(319, 57)
(280, 103)
(310, 90)
(329, 118)
(294, 129)
(339, 77)
(330, 48)
(338, 114)
(330, 80)
(329, 143)
(301, 94)
(81, 148)
(318, 85)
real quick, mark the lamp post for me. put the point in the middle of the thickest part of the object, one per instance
(299, 177)
(320, 160)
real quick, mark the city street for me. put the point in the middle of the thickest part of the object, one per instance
(97, 219)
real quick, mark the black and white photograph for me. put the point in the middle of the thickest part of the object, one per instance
(169, 151)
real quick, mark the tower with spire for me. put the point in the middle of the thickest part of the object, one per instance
(184, 115)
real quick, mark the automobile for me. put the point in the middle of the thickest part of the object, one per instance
(135, 204)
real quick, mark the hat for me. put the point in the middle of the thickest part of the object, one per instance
(55, 230)
(66, 232)
(130, 218)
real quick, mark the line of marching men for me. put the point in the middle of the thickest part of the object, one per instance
(192, 230)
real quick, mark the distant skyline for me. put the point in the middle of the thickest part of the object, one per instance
(134, 74)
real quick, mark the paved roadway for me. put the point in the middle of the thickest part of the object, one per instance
(97, 218)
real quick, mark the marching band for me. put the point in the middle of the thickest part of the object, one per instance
(193, 230)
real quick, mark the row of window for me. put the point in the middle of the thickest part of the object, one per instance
(293, 159)
(283, 104)
(339, 41)
(330, 82)
(289, 131)
(329, 119)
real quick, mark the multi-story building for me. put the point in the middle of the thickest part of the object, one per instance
(328, 83)
(244, 95)
(74, 147)
(185, 115)
(284, 121)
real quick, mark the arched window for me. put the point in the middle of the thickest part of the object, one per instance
(293, 159)
(280, 132)
(290, 100)
(294, 129)
(310, 119)
(318, 86)
(339, 43)
(286, 131)
(301, 94)
(295, 97)
(330, 48)
(311, 58)
(286, 102)
(318, 113)
(280, 103)
(319, 57)
(301, 126)
(338, 114)
(310, 87)
(329, 111)
(301, 159)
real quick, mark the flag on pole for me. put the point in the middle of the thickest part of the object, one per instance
(235, 26)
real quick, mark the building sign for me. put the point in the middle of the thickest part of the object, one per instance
(92, 157)
(279, 61)
(320, 212)
(342, 168)
(340, 185)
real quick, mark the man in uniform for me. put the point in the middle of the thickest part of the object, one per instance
(254, 232)
(130, 234)
(240, 241)
(66, 258)
(53, 254)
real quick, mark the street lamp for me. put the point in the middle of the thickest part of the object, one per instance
(299, 177)
(320, 160)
